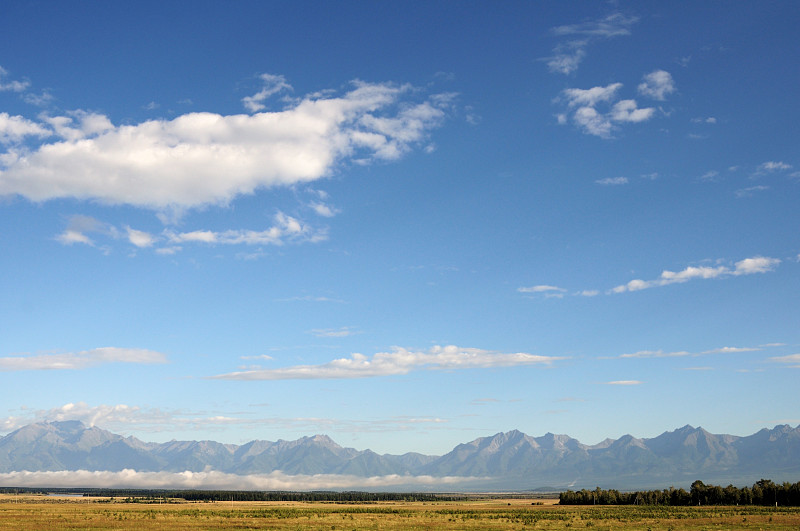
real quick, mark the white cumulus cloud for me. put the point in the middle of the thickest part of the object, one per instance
(657, 85)
(627, 111)
(140, 238)
(582, 105)
(591, 97)
(15, 128)
(206, 158)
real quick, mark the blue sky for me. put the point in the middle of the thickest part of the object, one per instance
(402, 224)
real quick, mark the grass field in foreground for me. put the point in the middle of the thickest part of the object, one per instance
(41, 512)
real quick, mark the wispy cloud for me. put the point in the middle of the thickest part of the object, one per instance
(79, 228)
(205, 158)
(792, 360)
(588, 293)
(710, 176)
(544, 289)
(80, 360)
(649, 354)
(750, 190)
(730, 350)
(748, 266)
(285, 230)
(612, 181)
(568, 55)
(344, 331)
(624, 382)
(397, 362)
(11, 84)
(613, 25)
(484, 401)
(769, 168)
(310, 298)
(655, 354)
(323, 209)
(272, 84)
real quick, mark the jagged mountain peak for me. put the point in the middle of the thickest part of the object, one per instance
(783, 429)
(322, 439)
(684, 430)
(559, 442)
(502, 440)
(509, 437)
(319, 440)
(497, 442)
(628, 440)
(605, 443)
(62, 431)
(513, 459)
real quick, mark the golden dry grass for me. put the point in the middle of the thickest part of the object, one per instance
(47, 513)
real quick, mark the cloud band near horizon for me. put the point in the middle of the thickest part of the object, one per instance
(215, 480)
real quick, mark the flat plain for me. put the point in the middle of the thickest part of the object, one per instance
(46, 513)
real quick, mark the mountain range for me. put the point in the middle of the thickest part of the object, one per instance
(505, 461)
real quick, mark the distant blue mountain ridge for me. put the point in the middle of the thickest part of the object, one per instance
(506, 461)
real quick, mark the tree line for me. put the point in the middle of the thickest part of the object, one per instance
(763, 492)
(312, 496)
(150, 495)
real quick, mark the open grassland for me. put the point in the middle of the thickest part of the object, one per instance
(41, 512)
